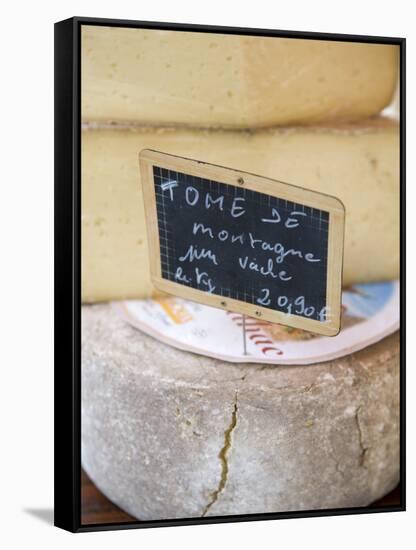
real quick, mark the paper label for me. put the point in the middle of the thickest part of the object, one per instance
(370, 312)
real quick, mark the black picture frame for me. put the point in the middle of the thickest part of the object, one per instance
(68, 278)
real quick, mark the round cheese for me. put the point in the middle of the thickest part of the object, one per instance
(170, 434)
(357, 163)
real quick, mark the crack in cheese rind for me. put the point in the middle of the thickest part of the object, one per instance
(359, 164)
(214, 80)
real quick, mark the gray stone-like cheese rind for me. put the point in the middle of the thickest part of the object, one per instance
(171, 434)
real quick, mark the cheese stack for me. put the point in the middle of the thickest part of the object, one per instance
(167, 433)
(223, 99)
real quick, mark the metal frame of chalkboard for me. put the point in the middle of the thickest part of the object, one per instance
(331, 326)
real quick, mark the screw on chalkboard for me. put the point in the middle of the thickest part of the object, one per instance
(240, 181)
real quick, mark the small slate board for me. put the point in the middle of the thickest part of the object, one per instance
(244, 243)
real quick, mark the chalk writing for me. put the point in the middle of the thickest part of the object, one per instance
(242, 244)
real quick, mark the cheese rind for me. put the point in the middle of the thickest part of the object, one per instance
(214, 80)
(357, 164)
(302, 437)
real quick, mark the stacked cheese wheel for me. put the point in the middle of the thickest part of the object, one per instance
(301, 111)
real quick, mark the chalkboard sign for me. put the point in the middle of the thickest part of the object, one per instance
(244, 243)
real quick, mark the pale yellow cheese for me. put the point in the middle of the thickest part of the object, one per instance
(214, 80)
(357, 164)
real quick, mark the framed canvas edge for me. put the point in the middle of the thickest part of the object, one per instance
(249, 31)
(67, 260)
(403, 274)
(67, 298)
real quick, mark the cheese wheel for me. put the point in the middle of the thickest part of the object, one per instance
(217, 80)
(170, 434)
(357, 163)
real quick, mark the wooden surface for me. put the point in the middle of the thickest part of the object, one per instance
(96, 508)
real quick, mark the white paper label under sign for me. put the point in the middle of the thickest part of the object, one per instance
(370, 312)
